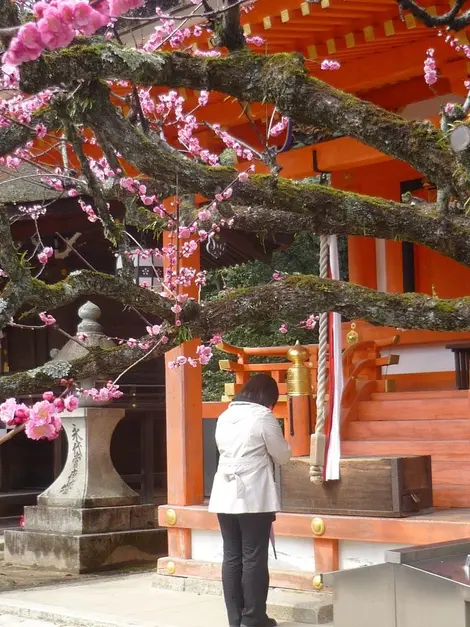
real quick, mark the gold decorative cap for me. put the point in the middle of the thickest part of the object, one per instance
(298, 354)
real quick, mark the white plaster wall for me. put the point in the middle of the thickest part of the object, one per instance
(292, 553)
(427, 358)
(354, 554)
(295, 553)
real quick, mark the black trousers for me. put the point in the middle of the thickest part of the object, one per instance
(245, 574)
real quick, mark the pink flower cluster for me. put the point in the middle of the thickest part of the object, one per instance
(453, 42)
(21, 108)
(46, 253)
(430, 71)
(255, 40)
(330, 65)
(231, 142)
(33, 211)
(204, 355)
(277, 129)
(42, 420)
(104, 394)
(215, 339)
(88, 209)
(47, 319)
(283, 328)
(310, 323)
(168, 31)
(58, 22)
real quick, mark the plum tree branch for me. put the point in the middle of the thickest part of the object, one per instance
(40, 296)
(280, 79)
(298, 296)
(452, 20)
(333, 210)
(288, 300)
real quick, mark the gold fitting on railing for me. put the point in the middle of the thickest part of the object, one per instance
(353, 336)
(171, 517)
(317, 582)
(318, 526)
(171, 568)
(298, 375)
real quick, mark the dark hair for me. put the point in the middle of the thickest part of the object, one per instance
(261, 389)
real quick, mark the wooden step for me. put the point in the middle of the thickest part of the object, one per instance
(418, 395)
(451, 473)
(415, 409)
(410, 430)
(455, 450)
(451, 496)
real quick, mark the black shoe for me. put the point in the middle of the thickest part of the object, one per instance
(270, 622)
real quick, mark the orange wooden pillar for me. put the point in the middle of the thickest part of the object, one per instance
(298, 428)
(183, 388)
(362, 261)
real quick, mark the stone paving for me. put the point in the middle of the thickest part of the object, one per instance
(120, 601)
(7, 620)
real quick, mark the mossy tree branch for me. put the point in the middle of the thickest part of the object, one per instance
(110, 361)
(289, 300)
(280, 79)
(39, 296)
(297, 296)
(329, 210)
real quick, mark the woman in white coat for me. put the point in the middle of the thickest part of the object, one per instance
(245, 498)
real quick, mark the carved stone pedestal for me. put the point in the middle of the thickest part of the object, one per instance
(89, 519)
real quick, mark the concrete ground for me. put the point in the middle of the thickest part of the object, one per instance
(128, 600)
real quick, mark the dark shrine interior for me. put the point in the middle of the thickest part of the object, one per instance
(139, 443)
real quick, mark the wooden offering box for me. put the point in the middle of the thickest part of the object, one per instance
(391, 487)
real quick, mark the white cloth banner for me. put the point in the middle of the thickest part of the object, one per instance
(334, 445)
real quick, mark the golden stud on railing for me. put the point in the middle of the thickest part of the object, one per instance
(171, 517)
(317, 582)
(318, 527)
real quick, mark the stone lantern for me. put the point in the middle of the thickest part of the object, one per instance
(89, 519)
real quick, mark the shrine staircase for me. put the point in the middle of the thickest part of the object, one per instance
(435, 423)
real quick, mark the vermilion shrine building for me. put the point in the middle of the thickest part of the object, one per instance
(389, 409)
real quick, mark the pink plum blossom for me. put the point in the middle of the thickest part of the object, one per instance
(328, 64)
(118, 7)
(48, 396)
(21, 414)
(279, 127)
(104, 394)
(7, 411)
(204, 353)
(59, 404)
(154, 330)
(283, 328)
(46, 253)
(70, 402)
(55, 33)
(255, 40)
(47, 319)
(44, 422)
(430, 71)
(42, 258)
(41, 130)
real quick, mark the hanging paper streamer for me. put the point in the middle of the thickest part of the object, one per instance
(334, 444)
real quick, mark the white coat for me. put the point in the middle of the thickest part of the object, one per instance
(249, 440)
